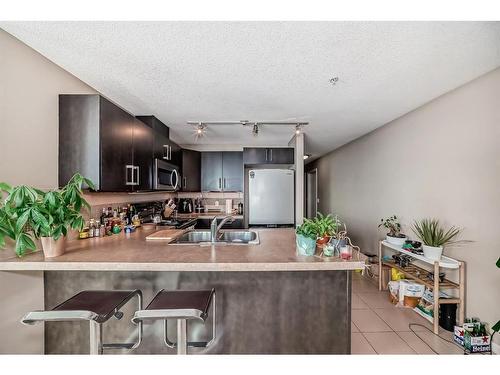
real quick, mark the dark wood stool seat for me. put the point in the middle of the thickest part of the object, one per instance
(181, 305)
(95, 306)
(104, 303)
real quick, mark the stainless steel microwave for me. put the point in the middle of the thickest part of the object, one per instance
(166, 176)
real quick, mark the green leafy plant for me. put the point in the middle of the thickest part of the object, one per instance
(307, 229)
(431, 233)
(28, 213)
(392, 224)
(325, 225)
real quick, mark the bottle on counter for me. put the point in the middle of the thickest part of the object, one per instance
(91, 228)
(97, 228)
(103, 217)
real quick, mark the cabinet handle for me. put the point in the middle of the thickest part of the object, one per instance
(220, 183)
(169, 152)
(165, 152)
(185, 182)
(137, 175)
(271, 153)
(224, 183)
(129, 168)
(266, 154)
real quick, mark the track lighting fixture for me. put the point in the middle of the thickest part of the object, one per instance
(200, 126)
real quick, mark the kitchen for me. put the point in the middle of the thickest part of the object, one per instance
(153, 211)
(177, 242)
(165, 216)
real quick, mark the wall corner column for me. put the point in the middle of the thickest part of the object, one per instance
(298, 143)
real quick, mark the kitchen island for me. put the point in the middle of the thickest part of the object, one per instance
(269, 300)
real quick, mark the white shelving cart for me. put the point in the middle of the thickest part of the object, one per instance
(420, 275)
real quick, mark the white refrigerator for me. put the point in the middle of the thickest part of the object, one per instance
(271, 198)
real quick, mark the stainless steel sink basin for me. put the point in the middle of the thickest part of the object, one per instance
(239, 237)
(193, 237)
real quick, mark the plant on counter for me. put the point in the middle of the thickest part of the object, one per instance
(325, 227)
(28, 213)
(306, 238)
(394, 236)
(434, 237)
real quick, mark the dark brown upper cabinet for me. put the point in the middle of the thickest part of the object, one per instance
(222, 171)
(164, 148)
(275, 155)
(104, 143)
(191, 170)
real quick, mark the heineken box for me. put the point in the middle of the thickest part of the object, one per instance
(474, 344)
(458, 335)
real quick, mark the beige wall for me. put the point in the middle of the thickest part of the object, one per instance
(441, 160)
(29, 86)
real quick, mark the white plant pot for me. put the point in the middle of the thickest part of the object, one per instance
(399, 241)
(52, 248)
(432, 252)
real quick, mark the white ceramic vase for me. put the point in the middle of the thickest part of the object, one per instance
(433, 252)
(399, 241)
(53, 248)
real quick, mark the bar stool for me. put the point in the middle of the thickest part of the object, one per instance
(95, 306)
(181, 306)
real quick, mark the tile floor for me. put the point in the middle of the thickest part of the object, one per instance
(378, 327)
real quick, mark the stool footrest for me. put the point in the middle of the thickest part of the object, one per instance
(190, 344)
(117, 345)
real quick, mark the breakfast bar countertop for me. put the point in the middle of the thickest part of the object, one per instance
(131, 252)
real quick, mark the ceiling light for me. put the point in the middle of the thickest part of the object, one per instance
(307, 156)
(200, 130)
(297, 129)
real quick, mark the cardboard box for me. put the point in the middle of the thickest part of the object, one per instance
(458, 335)
(474, 344)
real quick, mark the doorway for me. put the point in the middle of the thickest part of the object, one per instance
(311, 193)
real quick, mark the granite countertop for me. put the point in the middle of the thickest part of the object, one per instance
(131, 252)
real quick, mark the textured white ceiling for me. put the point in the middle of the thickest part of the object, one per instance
(183, 71)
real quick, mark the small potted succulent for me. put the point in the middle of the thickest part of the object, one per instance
(28, 213)
(325, 227)
(306, 238)
(434, 237)
(394, 236)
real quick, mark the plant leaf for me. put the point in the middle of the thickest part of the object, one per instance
(23, 244)
(22, 220)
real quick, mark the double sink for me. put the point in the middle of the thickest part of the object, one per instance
(230, 237)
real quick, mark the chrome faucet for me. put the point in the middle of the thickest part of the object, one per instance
(214, 228)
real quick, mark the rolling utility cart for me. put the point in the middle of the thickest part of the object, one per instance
(420, 275)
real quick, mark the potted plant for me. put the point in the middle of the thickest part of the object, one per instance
(394, 236)
(306, 238)
(28, 213)
(325, 227)
(433, 237)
